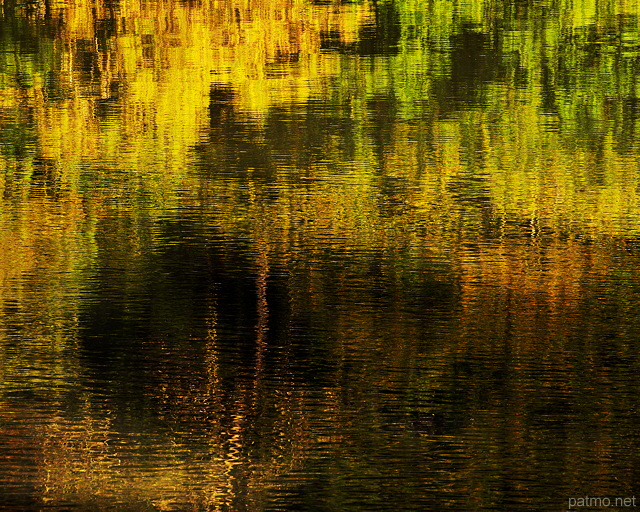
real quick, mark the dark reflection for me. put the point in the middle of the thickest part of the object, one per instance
(159, 306)
(28, 42)
(548, 88)
(45, 178)
(17, 136)
(86, 61)
(476, 61)
(380, 37)
(281, 360)
(383, 36)
(292, 139)
(220, 107)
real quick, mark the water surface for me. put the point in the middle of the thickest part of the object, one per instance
(318, 256)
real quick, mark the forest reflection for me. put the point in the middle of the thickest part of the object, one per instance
(298, 255)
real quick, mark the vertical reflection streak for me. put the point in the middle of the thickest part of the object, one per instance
(262, 327)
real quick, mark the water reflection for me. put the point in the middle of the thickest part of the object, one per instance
(317, 256)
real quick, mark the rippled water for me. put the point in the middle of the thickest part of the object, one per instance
(323, 256)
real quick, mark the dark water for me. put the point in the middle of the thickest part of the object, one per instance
(319, 256)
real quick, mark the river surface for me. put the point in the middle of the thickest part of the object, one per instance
(286, 255)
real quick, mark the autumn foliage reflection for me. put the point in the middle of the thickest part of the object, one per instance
(339, 233)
